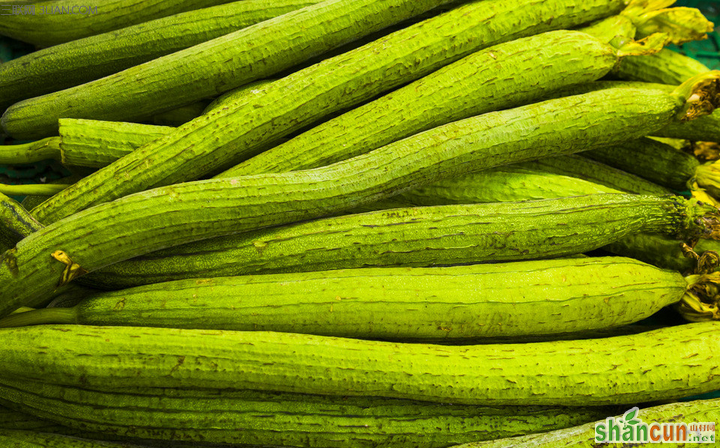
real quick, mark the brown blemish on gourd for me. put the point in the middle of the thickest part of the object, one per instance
(9, 259)
(181, 360)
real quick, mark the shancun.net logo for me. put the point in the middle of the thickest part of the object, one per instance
(631, 429)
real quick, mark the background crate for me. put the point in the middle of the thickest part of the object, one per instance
(706, 51)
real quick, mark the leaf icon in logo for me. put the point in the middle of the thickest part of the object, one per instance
(630, 415)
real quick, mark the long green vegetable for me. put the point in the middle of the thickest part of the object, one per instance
(506, 75)
(596, 172)
(11, 419)
(31, 202)
(210, 68)
(665, 67)
(53, 22)
(576, 58)
(547, 178)
(34, 439)
(466, 302)
(32, 189)
(550, 177)
(169, 216)
(416, 237)
(224, 138)
(700, 411)
(180, 115)
(275, 419)
(84, 60)
(664, 364)
(32, 152)
(652, 160)
(15, 223)
(705, 129)
(97, 143)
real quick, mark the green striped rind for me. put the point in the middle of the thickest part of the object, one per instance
(210, 68)
(36, 439)
(706, 128)
(191, 211)
(655, 161)
(96, 143)
(550, 177)
(506, 75)
(510, 183)
(48, 27)
(462, 302)
(219, 140)
(665, 364)
(272, 419)
(11, 419)
(701, 411)
(660, 250)
(441, 88)
(598, 173)
(423, 236)
(84, 60)
(665, 67)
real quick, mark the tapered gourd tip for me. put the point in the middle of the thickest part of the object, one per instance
(702, 220)
(701, 301)
(702, 195)
(643, 47)
(42, 316)
(707, 177)
(705, 151)
(701, 94)
(680, 24)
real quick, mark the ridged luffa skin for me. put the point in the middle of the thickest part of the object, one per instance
(653, 160)
(664, 364)
(441, 303)
(39, 439)
(212, 67)
(84, 60)
(191, 211)
(45, 28)
(278, 419)
(665, 67)
(598, 173)
(422, 236)
(490, 81)
(547, 178)
(506, 75)
(221, 139)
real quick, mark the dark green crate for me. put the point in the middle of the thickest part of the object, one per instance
(706, 51)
